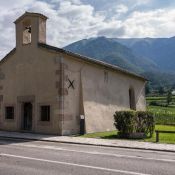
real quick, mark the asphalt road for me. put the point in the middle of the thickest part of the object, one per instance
(46, 158)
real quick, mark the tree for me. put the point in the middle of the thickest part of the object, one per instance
(173, 86)
(169, 97)
(147, 89)
(161, 90)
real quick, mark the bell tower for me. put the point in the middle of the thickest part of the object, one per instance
(30, 29)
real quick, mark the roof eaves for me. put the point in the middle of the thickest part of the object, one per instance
(94, 61)
(6, 56)
(30, 14)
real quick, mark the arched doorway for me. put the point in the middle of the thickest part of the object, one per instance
(132, 99)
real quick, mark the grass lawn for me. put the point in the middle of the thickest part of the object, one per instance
(163, 138)
(102, 135)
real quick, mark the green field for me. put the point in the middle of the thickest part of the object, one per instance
(158, 98)
(164, 138)
(163, 115)
(161, 100)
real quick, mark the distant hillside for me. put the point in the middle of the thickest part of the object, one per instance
(153, 58)
(159, 50)
(113, 52)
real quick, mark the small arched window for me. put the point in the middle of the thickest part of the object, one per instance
(132, 99)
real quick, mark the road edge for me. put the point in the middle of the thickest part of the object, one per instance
(91, 144)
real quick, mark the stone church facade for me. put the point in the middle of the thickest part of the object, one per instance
(45, 89)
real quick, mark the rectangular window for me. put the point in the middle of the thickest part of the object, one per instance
(9, 112)
(45, 113)
(105, 76)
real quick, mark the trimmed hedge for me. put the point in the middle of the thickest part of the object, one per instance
(131, 122)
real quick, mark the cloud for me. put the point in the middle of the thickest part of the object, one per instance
(9, 13)
(72, 1)
(157, 23)
(121, 9)
(72, 20)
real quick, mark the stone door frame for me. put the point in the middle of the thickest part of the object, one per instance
(20, 103)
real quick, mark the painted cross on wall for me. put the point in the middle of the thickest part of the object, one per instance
(71, 84)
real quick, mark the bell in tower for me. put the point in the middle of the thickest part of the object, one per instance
(27, 30)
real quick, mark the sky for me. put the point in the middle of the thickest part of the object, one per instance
(73, 20)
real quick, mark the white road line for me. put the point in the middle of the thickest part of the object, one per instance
(73, 164)
(94, 152)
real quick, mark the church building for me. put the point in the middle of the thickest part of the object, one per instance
(45, 89)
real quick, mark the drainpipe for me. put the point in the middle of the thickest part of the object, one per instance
(62, 92)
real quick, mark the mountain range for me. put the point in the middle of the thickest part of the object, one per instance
(159, 50)
(153, 58)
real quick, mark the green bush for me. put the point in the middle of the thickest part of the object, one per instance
(124, 122)
(130, 122)
(145, 122)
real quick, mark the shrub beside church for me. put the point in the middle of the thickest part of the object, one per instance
(134, 124)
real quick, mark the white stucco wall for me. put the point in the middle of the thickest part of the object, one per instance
(101, 97)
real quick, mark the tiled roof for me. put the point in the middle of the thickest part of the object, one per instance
(30, 14)
(84, 58)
